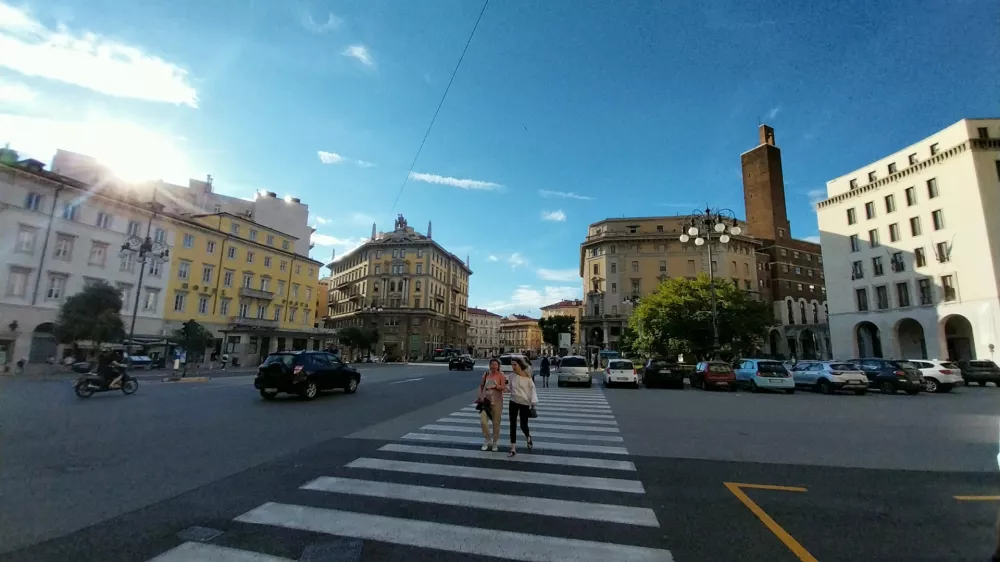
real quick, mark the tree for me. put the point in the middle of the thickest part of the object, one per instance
(195, 339)
(91, 315)
(677, 318)
(555, 325)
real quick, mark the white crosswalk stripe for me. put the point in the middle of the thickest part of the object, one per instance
(579, 434)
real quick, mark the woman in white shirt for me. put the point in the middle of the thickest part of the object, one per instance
(522, 399)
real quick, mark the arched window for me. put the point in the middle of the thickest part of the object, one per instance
(802, 311)
(791, 312)
(815, 313)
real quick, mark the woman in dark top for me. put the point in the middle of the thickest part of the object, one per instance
(545, 371)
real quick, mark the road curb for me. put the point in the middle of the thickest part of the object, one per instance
(187, 379)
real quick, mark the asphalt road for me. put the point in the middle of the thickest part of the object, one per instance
(652, 474)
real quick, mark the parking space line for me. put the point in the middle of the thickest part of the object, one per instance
(766, 519)
(978, 498)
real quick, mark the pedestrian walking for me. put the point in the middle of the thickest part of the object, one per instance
(545, 371)
(490, 403)
(523, 400)
(20, 365)
(225, 359)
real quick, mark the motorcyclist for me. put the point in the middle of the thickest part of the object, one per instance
(110, 364)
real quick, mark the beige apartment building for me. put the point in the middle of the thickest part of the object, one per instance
(484, 333)
(622, 260)
(574, 308)
(407, 286)
(520, 334)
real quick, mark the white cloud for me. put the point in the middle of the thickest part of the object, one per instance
(364, 164)
(361, 53)
(493, 258)
(565, 275)
(516, 260)
(321, 220)
(332, 22)
(342, 245)
(816, 195)
(557, 216)
(564, 195)
(527, 298)
(813, 239)
(772, 113)
(334, 158)
(456, 182)
(88, 60)
(16, 94)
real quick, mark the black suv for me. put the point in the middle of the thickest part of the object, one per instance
(979, 372)
(461, 363)
(890, 376)
(305, 373)
(663, 372)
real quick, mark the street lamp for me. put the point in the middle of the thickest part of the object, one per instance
(146, 250)
(705, 226)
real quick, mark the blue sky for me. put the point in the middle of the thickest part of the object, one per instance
(563, 113)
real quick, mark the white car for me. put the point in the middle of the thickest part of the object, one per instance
(621, 371)
(830, 376)
(573, 369)
(939, 376)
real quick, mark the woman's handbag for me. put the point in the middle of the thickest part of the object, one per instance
(532, 412)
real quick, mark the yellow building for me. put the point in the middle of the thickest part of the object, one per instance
(520, 334)
(622, 260)
(573, 308)
(244, 282)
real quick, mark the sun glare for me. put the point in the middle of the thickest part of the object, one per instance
(137, 154)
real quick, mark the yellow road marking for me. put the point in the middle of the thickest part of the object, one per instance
(978, 498)
(766, 519)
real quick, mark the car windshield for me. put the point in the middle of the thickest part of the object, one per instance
(620, 365)
(948, 365)
(904, 365)
(283, 358)
(771, 367)
(573, 362)
(719, 368)
(843, 367)
(659, 363)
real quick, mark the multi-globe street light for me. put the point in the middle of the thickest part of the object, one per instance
(706, 226)
(146, 251)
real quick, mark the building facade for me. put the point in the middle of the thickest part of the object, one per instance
(58, 235)
(912, 245)
(791, 277)
(407, 286)
(520, 334)
(243, 282)
(572, 308)
(622, 260)
(484, 333)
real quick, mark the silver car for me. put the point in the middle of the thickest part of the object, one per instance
(830, 376)
(573, 369)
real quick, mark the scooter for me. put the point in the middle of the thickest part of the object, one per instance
(91, 382)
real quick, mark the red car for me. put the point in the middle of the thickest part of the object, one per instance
(714, 374)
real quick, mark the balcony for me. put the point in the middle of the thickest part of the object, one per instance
(259, 323)
(256, 294)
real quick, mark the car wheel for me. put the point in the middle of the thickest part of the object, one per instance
(352, 385)
(944, 388)
(930, 385)
(861, 392)
(887, 387)
(450, 368)
(310, 390)
(753, 387)
(790, 391)
(268, 395)
(824, 387)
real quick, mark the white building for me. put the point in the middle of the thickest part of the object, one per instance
(484, 332)
(912, 249)
(56, 236)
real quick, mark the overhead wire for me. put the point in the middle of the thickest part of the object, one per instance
(440, 104)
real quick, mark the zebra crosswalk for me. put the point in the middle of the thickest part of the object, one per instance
(433, 488)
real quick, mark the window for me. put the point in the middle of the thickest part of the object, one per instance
(262, 311)
(103, 220)
(284, 244)
(227, 278)
(877, 266)
(234, 228)
(69, 211)
(902, 294)
(203, 305)
(231, 253)
(924, 288)
(781, 233)
(894, 232)
(311, 272)
(897, 262)
(871, 177)
(870, 210)
(809, 272)
(873, 238)
(244, 310)
(782, 252)
(33, 202)
(597, 269)
(855, 243)
(283, 266)
(892, 167)
(802, 312)
(635, 286)
(935, 149)
(378, 269)
(133, 228)
(98, 254)
(932, 188)
(911, 196)
(912, 159)
(210, 247)
(890, 203)
(17, 281)
(160, 236)
(614, 267)
(882, 297)
(291, 314)
(746, 269)
(948, 287)
(298, 269)
(249, 256)
(248, 280)
(798, 270)
(852, 217)
(277, 314)
(152, 296)
(402, 253)
(614, 288)
(224, 306)
(919, 257)
(943, 252)
(937, 218)
(915, 229)
(270, 240)
(420, 268)
(155, 268)
(180, 301)
(416, 287)
(188, 241)
(253, 234)
(64, 247)
(795, 255)
(295, 290)
(854, 184)
(206, 274)
(281, 287)
(984, 133)
(26, 236)
(635, 267)
(378, 254)
(861, 298)
(420, 252)
(183, 269)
